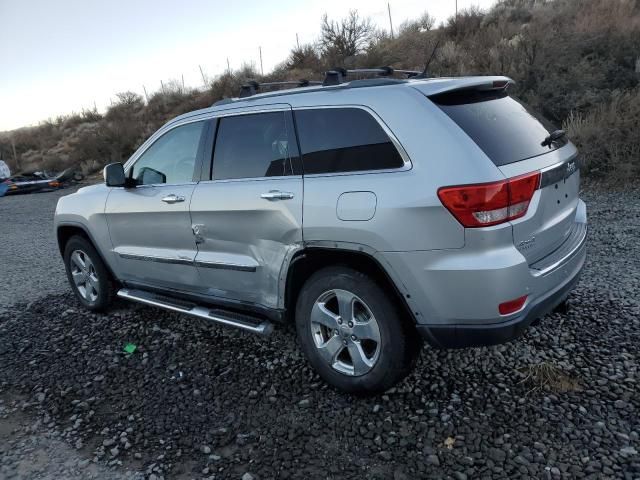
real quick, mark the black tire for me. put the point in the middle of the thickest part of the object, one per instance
(398, 342)
(103, 289)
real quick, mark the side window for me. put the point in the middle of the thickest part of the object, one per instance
(343, 140)
(255, 145)
(171, 158)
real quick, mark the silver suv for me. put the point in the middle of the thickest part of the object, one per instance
(373, 213)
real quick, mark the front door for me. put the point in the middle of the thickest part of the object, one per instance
(248, 217)
(149, 224)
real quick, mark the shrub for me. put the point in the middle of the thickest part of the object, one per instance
(608, 137)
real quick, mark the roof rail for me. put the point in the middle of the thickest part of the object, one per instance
(252, 87)
(338, 75)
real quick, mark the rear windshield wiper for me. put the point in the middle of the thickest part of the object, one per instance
(552, 137)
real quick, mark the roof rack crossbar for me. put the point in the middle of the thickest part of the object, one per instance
(337, 76)
(252, 87)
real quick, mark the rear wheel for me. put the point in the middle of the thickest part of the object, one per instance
(87, 274)
(352, 333)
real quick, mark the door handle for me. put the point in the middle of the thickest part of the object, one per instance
(173, 198)
(277, 195)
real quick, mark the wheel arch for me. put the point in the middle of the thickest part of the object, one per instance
(313, 258)
(65, 231)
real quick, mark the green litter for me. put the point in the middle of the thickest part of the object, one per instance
(129, 348)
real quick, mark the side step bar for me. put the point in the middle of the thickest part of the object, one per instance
(231, 319)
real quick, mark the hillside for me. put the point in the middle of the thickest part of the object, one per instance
(576, 61)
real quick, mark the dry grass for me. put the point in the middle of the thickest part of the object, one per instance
(621, 15)
(609, 137)
(547, 377)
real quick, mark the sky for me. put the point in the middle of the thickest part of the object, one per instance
(59, 57)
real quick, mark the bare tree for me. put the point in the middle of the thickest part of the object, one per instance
(347, 37)
(129, 99)
(423, 24)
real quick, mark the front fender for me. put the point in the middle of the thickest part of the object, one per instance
(85, 210)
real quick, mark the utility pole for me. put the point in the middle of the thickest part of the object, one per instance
(15, 156)
(145, 93)
(297, 41)
(390, 21)
(228, 66)
(456, 12)
(261, 69)
(204, 78)
(161, 86)
(182, 82)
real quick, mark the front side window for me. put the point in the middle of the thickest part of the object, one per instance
(255, 145)
(344, 140)
(172, 158)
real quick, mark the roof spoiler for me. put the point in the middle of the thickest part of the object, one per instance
(436, 86)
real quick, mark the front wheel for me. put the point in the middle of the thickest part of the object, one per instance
(87, 274)
(352, 333)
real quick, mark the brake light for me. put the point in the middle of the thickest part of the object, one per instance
(487, 204)
(512, 306)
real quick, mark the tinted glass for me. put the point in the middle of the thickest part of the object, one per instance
(172, 158)
(257, 145)
(504, 128)
(343, 140)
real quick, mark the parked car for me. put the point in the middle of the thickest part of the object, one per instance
(374, 214)
(32, 182)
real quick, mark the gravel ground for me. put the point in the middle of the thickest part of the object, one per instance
(200, 401)
(29, 256)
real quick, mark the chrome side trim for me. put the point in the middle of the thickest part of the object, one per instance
(264, 328)
(149, 258)
(226, 266)
(185, 261)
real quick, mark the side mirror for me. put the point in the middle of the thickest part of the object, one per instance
(114, 175)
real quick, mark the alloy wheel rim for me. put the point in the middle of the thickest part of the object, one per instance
(345, 332)
(85, 277)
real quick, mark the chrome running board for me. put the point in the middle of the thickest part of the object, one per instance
(216, 315)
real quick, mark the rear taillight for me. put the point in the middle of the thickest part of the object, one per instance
(487, 204)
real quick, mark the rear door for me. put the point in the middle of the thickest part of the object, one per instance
(512, 136)
(247, 215)
(150, 225)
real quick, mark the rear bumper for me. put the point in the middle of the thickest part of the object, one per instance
(456, 294)
(462, 336)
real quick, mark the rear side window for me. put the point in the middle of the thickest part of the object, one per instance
(343, 140)
(504, 128)
(255, 145)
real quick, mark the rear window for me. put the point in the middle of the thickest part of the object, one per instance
(504, 128)
(343, 140)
